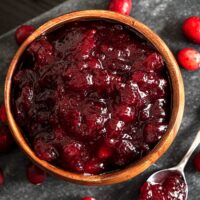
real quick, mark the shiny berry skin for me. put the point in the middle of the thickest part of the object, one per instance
(3, 116)
(88, 198)
(197, 162)
(121, 6)
(191, 29)
(6, 139)
(1, 178)
(189, 58)
(35, 175)
(94, 166)
(23, 32)
(105, 152)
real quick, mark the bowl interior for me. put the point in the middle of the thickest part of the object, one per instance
(177, 99)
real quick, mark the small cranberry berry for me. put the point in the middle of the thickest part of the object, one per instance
(191, 28)
(6, 140)
(197, 162)
(189, 58)
(1, 177)
(94, 166)
(104, 152)
(121, 6)
(35, 175)
(88, 198)
(23, 32)
(3, 116)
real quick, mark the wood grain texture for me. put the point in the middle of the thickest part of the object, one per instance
(177, 103)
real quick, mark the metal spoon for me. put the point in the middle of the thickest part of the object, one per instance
(162, 174)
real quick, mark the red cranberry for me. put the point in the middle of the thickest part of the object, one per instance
(26, 99)
(125, 113)
(45, 151)
(88, 43)
(139, 76)
(154, 62)
(151, 192)
(94, 166)
(129, 94)
(3, 116)
(153, 131)
(35, 175)
(174, 186)
(191, 28)
(105, 152)
(1, 177)
(88, 198)
(189, 58)
(121, 6)
(126, 150)
(23, 32)
(158, 109)
(6, 140)
(115, 127)
(197, 162)
(42, 51)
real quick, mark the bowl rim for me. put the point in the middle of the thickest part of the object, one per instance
(178, 100)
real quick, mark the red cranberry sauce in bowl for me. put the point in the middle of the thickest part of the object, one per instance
(92, 96)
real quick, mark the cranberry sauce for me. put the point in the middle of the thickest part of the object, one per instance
(173, 187)
(91, 96)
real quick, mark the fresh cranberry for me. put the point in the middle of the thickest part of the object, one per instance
(189, 58)
(191, 29)
(1, 177)
(23, 32)
(89, 104)
(88, 198)
(121, 6)
(3, 116)
(197, 162)
(35, 175)
(6, 140)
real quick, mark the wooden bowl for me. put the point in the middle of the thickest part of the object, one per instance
(177, 101)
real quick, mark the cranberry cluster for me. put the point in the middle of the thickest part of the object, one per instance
(189, 58)
(91, 96)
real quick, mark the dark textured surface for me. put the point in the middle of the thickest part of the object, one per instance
(164, 17)
(13, 13)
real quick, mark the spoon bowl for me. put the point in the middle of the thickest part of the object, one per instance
(161, 175)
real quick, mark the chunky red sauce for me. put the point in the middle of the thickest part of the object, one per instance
(172, 187)
(91, 96)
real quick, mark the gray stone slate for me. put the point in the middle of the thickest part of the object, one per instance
(164, 17)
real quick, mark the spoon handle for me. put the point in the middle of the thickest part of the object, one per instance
(185, 159)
